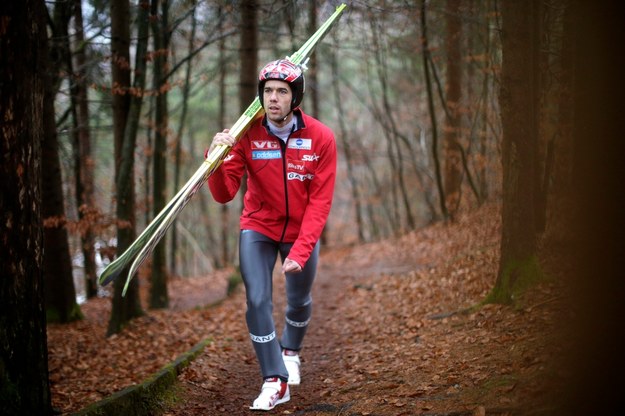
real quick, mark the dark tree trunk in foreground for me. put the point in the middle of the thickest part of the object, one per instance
(24, 386)
(599, 182)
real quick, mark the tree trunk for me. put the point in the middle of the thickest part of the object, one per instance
(597, 309)
(347, 150)
(428, 83)
(451, 142)
(24, 385)
(248, 61)
(173, 269)
(518, 266)
(312, 84)
(84, 163)
(225, 259)
(159, 298)
(125, 124)
(248, 81)
(60, 293)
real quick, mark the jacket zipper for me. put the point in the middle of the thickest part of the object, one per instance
(285, 146)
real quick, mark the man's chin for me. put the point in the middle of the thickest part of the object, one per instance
(277, 119)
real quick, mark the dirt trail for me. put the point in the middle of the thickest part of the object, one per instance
(374, 348)
(387, 337)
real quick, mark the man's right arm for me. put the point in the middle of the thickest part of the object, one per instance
(224, 183)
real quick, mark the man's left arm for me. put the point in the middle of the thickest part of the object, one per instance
(320, 195)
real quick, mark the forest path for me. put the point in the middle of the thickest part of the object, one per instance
(387, 336)
(373, 346)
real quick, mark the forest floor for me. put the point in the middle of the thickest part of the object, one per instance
(392, 334)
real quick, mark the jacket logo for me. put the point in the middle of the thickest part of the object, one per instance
(300, 144)
(310, 158)
(264, 145)
(299, 176)
(295, 165)
(266, 154)
(263, 338)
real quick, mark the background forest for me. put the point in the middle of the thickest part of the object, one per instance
(409, 88)
(437, 106)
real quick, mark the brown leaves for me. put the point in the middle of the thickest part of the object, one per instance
(372, 346)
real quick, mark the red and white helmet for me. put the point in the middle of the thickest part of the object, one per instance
(287, 71)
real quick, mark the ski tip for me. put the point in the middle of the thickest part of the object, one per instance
(106, 278)
(127, 284)
(110, 273)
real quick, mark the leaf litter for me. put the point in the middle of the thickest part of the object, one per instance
(393, 333)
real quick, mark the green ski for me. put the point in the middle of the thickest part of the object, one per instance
(143, 246)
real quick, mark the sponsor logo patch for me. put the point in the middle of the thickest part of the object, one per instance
(295, 165)
(299, 176)
(310, 158)
(300, 144)
(266, 154)
(265, 145)
(297, 324)
(263, 338)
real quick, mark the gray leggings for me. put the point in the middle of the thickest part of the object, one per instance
(257, 257)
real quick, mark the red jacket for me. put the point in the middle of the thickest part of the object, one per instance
(289, 186)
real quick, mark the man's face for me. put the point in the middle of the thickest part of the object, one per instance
(277, 97)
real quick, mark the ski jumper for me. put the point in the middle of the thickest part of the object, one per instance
(290, 184)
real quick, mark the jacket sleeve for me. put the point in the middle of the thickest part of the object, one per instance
(224, 183)
(320, 196)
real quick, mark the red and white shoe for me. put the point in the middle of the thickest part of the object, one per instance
(292, 363)
(273, 392)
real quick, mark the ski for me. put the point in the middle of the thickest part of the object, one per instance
(143, 245)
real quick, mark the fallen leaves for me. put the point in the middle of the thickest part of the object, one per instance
(372, 346)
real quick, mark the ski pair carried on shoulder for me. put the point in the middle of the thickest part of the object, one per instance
(143, 246)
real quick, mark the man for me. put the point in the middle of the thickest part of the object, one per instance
(290, 160)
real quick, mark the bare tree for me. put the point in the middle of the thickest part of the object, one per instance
(425, 52)
(60, 293)
(518, 264)
(126, 112)
(451, 130)
(162, 34)
(173, 269)
(83, 159)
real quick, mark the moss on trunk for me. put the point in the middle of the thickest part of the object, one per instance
(515, 277)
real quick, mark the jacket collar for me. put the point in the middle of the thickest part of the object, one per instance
(297, 113)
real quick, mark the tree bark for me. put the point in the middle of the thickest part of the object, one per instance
(451, 142)
(248, 61)
(84, 163)
(61, 305)
(159, 298)
(125, 124)
(425, 52)
(24, 385)
(248, 78)
(518, 265)
(225, 233)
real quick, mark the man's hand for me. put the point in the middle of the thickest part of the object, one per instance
(291, 266)
(222, 138)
